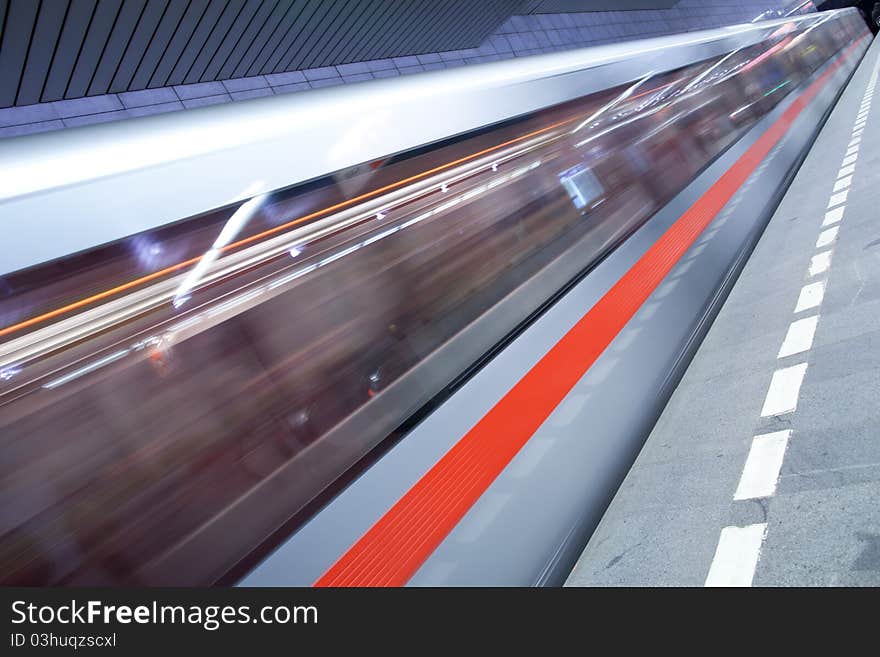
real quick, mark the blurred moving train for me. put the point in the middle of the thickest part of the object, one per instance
(225, 335)
(869, 9)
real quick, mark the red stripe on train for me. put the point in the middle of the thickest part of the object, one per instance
(391, 551)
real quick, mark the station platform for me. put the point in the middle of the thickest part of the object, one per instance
(764, 468)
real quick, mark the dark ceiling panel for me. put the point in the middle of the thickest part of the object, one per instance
(344, 51)
(69, 44)
(339, 34)
(216, 37)
(93, 48)
(330, 10)
(116, 47)
(447, 16)
(285, 25)
(471, 31)
(241, 23)
(419, 20)
(256, 25)
(18, 27)
(53, 49)
(388, 29)
(42, 49)
(398, 28)
(316, 15)
(258, 43)
(274, 64)
(179, 41)
(359, 46)
(159, 43)
(421, 30)
(198, 41)
(452, 21)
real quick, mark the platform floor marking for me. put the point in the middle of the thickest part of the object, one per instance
(842, 183)
(811, 296)
(739, 548)
(837, 199)
(736, 556)
(833, 216)
(799, 337)
(785, 386)
(820, 263)
(826, 237)
(763, 464)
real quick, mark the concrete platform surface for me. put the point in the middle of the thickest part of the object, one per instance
(764, 468)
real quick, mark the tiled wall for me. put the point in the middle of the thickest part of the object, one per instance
(518, 36)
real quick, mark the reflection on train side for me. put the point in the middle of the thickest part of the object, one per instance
(174, 398)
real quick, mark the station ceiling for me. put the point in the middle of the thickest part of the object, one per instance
(58, 49)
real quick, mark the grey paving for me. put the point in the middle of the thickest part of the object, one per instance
(823, 523)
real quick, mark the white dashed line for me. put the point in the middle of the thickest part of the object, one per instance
(810, 296)
(785, 386)
(837, 199)
(739, 548)
(820, 263)
(799, 337)
(763, 464)
(833, 216)
(826, 237)
(842, 183)
(736, 556)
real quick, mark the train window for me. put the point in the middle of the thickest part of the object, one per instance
(581, 185)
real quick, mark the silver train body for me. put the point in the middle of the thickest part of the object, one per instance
(234, 340)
